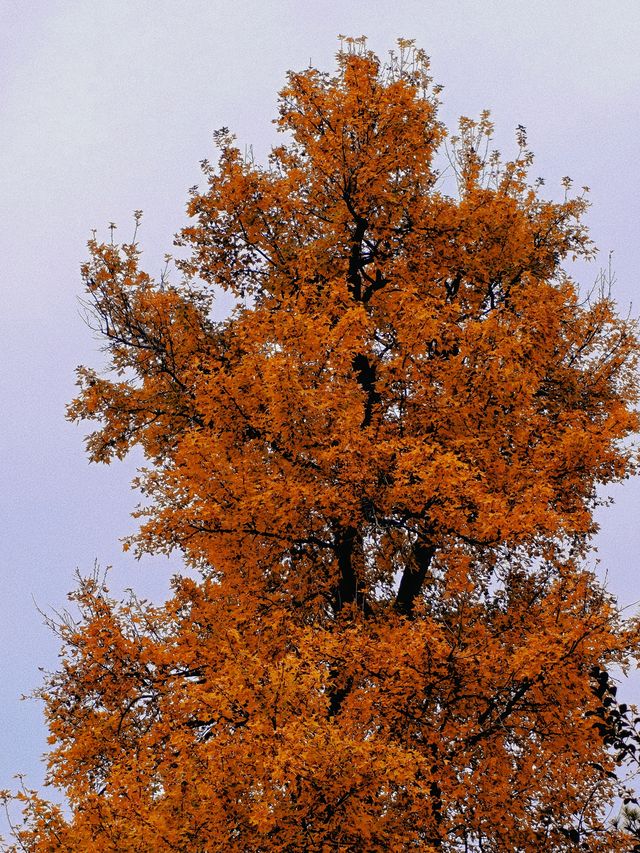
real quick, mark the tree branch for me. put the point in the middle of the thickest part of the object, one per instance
(413, 578)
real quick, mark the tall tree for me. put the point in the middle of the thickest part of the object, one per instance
(384, 464)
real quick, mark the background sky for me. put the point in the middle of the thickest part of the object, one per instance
(108, 107)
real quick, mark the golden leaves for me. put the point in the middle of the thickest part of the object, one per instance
(383, 462)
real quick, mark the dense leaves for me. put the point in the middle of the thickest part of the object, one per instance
(384, 465)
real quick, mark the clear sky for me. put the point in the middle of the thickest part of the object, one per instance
(108, 107)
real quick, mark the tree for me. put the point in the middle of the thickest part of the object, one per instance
(384, 465)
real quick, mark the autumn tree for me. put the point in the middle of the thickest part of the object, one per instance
(384, 464)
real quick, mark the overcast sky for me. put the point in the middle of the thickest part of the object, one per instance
(107, 107)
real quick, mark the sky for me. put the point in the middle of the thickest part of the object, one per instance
(108, 107)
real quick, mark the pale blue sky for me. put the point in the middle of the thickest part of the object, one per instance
(107, 107)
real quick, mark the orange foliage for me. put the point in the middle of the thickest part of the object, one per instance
(384, 464)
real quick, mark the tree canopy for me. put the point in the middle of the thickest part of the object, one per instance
(383, 464)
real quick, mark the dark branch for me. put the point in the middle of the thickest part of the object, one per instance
(413, 578)
(350, 587)
(366, 376)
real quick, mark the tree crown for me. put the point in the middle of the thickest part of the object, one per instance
(385, 462)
